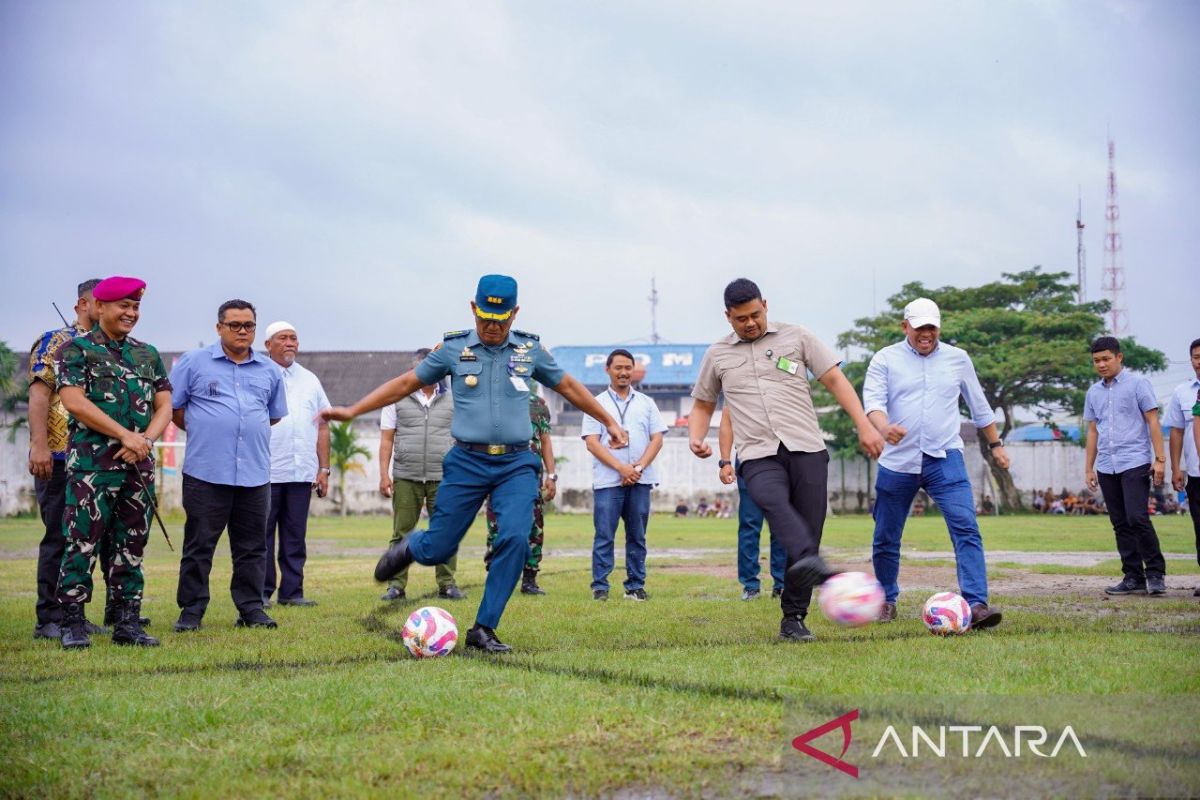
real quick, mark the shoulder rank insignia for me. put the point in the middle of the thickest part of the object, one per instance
(526, 335)
(454, 334)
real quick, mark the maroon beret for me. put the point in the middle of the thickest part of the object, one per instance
(119, 288)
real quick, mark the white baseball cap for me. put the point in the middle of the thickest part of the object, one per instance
(276, 327)
(921, 312)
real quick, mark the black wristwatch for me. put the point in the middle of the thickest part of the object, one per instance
(995, 444)
(722, 463)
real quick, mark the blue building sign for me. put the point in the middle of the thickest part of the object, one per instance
(664, 364)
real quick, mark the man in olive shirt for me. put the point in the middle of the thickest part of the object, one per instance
(762, 368)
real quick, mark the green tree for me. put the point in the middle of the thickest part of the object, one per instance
(1028, 336)
(343, 450)
(11, 390)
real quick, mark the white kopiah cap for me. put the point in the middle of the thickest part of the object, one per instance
(921, 312)
(276, 327)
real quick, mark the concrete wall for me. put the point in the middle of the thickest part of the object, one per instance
(684, 477)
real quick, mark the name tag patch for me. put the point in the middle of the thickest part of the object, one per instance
(787, 365)
(519, 383)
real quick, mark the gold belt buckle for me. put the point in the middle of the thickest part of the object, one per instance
(495, 449)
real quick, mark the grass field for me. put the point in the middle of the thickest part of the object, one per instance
(681, 696)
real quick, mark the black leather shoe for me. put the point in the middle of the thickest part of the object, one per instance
(187, 623)
(128, 627)
(1128, 585)
(74, 629)
(451, 592)
(600, 594)
(1156, 585)
(297, 601)
(255, 619)
(47, 630)
(983, 617)
(481, 638)
(392, 593)
(793, 629)
(808, 572)
(887, 613)
(395, 559)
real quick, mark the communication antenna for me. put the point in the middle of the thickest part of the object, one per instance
(1113, 282)
(1080, 252)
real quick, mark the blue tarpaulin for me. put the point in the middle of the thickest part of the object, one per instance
(665, 364)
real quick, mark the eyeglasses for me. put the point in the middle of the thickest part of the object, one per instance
(248, 327)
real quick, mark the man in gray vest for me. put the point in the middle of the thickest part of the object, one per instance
(414, 438)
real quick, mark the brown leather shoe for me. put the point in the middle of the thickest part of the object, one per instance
(887, 613)
(984, 617)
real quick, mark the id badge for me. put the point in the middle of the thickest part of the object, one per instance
(519, 383)
(787, 365)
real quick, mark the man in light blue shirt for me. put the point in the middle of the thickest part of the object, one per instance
(911, 397)
(1122, 417)
(1185, 460)
(226, 397)
(622, 477)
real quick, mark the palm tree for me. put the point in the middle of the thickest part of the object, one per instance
(343, 450)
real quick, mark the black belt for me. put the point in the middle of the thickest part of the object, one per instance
(491, 449)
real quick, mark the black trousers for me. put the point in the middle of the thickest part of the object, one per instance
(52, 498)
(288, 516)
(1193, 496)
(1127, 495)
(790, 488)
(210, 508)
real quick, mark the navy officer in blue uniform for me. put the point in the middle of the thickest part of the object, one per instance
(490, 369)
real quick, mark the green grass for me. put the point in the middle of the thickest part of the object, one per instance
(682, 695)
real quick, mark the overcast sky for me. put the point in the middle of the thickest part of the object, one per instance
(353, 167)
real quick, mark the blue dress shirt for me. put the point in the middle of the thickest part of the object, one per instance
(228, 408)
(491, 384)
(1118, 408)
(639, 416)
(921, 393)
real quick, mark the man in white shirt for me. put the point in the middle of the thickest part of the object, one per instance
(1185, 465)
(911, 397)
(622, 478)
(299, 464)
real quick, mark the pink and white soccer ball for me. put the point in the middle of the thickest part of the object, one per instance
(946, 614)
(851, 599)
(430, 632)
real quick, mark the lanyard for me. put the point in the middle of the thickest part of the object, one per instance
(621, 411)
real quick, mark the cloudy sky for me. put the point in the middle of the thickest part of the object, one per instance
(354, 166)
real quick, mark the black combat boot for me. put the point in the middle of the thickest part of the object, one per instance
(128, 627)
(112, 615)
(74, 635)
(529, 584)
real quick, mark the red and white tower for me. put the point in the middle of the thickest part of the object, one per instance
(1113, 282)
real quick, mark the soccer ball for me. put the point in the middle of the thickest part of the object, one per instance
(946, 613)
(851, 599)
(430, 632)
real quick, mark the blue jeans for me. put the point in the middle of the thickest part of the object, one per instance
(750, 522)
(467, 479)
(946, 481)
(629, 503)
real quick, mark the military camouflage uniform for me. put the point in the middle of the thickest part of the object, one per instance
(106, 504)
(539, 415)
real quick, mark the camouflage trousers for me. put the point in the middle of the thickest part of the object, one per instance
(536, 535)
(106, 512)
